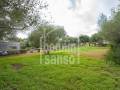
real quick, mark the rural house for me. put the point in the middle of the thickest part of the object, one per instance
(9, 46)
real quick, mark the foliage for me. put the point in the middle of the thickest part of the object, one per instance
(46, 35)
(110, 29)
(24, 43)
(102, 19)
(111, 32)
(114, 55)
(97, 38)
(17, 15)
(84, 38)
(69, 40)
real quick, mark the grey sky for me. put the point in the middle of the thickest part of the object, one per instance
(78, 16)
(105, 6)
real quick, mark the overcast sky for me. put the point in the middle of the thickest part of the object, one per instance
(78, 16)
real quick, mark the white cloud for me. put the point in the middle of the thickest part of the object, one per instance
(76, 21)
(82, 18)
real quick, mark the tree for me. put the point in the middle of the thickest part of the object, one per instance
(102, 19)
(24, 43)
(97, 39)
(46, 35)
(84, 39)
(111, 32)
(69, 40)
(17, 15)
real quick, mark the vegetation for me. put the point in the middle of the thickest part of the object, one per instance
(24, 72)
(18, 15)
(53, 70)
(110, 31)
(102, 19)
(69, 40)
(97, 39)
(84, 39)
(46, 35)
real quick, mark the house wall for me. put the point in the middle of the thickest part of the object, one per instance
(8, 46)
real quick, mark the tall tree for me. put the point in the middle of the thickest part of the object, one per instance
(102, 19)
(46, 35)
(97, 39)
(84, 39)
(69, 40)
(111, 32)
(18, 14)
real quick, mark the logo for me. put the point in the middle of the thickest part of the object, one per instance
(58, 50)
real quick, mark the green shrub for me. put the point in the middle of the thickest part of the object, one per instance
(114, 55)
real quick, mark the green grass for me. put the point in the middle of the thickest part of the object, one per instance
(89, 74)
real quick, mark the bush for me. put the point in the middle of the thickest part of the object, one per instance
(114, 55)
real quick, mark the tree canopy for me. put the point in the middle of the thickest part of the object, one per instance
(96, 38)
(111, 32)
(47, 34)
(84, 39)
(111, 29)
(102, 19)
(18, 14)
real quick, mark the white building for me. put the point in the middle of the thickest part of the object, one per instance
(9, 46)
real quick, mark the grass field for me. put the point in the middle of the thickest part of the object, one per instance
(24, 72)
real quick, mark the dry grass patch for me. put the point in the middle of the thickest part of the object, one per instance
(100, 54)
